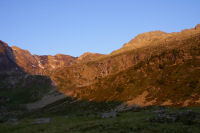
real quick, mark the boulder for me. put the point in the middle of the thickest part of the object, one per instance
(41, 121)
(109, 114)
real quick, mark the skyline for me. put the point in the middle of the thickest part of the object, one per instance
(75, 27)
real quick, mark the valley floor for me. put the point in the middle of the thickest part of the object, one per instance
(145, 120)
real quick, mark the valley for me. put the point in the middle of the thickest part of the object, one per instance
(151, 84)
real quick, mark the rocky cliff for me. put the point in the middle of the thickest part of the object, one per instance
(7, 58)
(42, 65)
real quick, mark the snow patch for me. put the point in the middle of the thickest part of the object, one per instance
(40, 65)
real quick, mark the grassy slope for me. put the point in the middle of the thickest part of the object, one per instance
(176, 76)
(171, 73)
(20, 88)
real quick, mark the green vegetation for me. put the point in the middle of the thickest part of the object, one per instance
(129, 121)
(75, 107)
(167, 71)
(19, 88)
(166, 75)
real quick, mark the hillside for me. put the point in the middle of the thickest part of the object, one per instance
(169, 77)
(17, 87)
(151, 84)
(165, 71)
(155, 68)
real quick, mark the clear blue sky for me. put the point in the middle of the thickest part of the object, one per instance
(77, 26)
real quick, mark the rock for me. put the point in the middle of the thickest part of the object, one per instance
(161, 111)
(163, 118)
(41, 121)
(13, 121)
(109, 114)
(7, 59)
(35, 64)
(66, 116)
(186, 117)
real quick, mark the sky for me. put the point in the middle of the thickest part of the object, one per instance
(73, 27)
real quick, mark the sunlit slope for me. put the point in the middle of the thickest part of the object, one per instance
(166, 72)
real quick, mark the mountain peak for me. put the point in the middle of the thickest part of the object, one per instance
(146, 37)
(88, 56)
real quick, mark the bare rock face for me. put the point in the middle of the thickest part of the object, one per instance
(25, 60)
(48, 63)
(7, 59)
(35, 64)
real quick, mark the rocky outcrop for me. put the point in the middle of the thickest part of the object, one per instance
(35, 64)
(48, 63)
(7, 58)
(25, 60)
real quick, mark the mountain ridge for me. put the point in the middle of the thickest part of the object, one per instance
(83, 81)
(82, 76)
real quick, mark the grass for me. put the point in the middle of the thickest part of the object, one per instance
(17, 89)
(25, 90)
(162, 70)
(125, 122)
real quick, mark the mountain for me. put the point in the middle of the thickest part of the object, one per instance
(45, 64)
(154, 38)
(35, 64)
(155, 68)
(142, 40)
(16, 86)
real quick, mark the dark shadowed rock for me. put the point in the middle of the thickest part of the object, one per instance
(109, 114)
(186, 117)
(7, 59)
(13, 121)
(42, 121)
